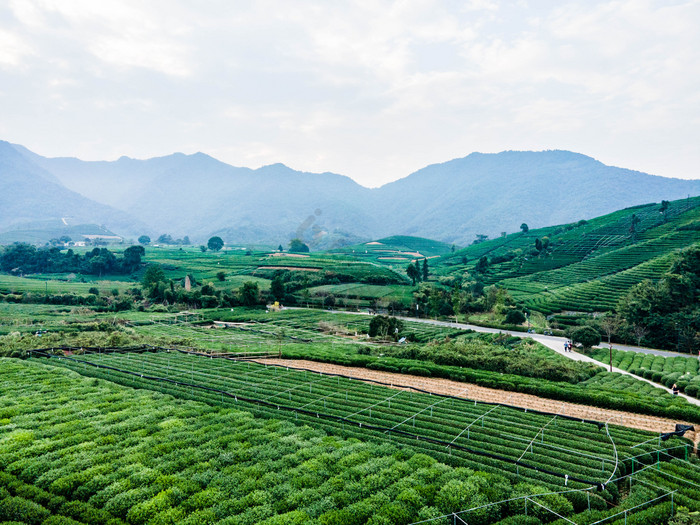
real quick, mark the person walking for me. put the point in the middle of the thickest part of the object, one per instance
(674, 389)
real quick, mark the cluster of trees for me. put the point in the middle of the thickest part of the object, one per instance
(165, 239)
(385, 326)
(23, 258)
(415, 273)
(297, 246)
(159, 288)
(666, 313)
(661, 314)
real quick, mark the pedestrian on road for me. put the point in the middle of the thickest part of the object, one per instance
(674, 389)
(566, 346)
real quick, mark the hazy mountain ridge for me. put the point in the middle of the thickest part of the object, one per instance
(29, 193)
(197, 195)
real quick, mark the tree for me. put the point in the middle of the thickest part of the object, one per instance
(640, 332)
(482, 264)
(384, 326)
(280, 249)
(215, 243)
(132, 258)
(202, 248)
(249, 293)
(515, 316)
(277, 289)
(524, 227)
(634, 222)
(425, 269)
(297, 246)
(586, 335)
(154, 274)
(165, 239)
(664, 209)
(413, 273)
(144, 239)
(221, 276)
(538, 245)
(610, 324)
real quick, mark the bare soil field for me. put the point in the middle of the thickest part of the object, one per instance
(491, 395)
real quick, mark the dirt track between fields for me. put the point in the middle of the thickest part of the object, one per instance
(492, 395)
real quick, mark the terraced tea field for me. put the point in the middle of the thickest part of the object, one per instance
(522, 446)
(526, 443)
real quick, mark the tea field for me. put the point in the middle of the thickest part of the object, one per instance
(218, 441)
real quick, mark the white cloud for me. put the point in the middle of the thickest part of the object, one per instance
(12, 49)
(370, 89)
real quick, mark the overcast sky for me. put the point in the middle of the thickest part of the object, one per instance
(370, 89)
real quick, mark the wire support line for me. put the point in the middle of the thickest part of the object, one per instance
(529, 496)
(535, 437)
(178, 369)
(661, 450)
(420, 412)
(550, 510)
(554, 447)
(376, 404)
(668, 474)
(302, 385)
(477, 419)
(666, 490)
(318, 399)
(607, 430)
(626, 511)
(645, 442)
(694, 465)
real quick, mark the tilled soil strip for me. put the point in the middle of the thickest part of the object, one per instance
(492, 395)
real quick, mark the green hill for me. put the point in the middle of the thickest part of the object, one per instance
(585, 266)
(397, 250)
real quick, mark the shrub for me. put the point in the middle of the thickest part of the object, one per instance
(586, 335)
(515, 316)
(20, 509)
(418, 371)
(691, 390)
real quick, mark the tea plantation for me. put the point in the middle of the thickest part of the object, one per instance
(191, 439)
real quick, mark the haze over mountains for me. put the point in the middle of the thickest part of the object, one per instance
(197, 195)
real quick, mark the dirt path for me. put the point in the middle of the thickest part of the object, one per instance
(491, 395)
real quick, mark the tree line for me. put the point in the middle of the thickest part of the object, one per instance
(21, 258)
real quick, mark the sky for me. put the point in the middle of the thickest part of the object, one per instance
(370, 89)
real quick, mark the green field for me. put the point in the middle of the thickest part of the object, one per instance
(245, 452)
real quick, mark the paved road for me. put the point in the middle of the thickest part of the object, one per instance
(555, 343)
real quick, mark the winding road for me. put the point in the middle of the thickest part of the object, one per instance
(556, 343)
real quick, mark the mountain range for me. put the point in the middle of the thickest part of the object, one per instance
(198, 196)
